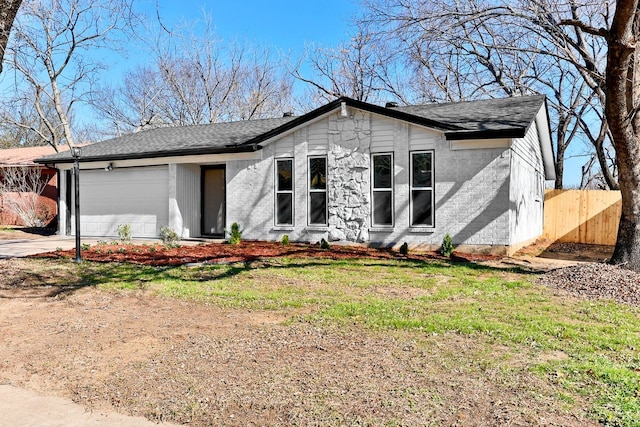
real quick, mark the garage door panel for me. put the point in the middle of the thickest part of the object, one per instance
(136, 196)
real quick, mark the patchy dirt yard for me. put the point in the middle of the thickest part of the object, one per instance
(202, 365)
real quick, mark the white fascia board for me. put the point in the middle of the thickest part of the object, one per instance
(546, 147)
(203, 159)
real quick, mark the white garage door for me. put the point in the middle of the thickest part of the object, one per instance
(135, 196)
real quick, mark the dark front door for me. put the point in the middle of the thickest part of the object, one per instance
(213, 200)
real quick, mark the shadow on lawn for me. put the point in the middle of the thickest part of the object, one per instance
(142, 275)
(32, 284)
(138, 266)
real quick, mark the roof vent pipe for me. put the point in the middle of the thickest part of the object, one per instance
(391, 104)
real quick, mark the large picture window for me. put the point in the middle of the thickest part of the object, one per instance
(422, 205)
(382, 189)
(317, 191)
(284, 192)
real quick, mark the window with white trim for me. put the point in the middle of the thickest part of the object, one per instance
(284, 192)
(317, 190)
(421, 188)
(382, 189)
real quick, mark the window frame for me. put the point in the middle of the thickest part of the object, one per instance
(412, 188)
(390, 189)
(277, 192)
(315, 190)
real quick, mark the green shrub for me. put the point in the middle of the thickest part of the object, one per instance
(169, 237)
(285, 240)
(235, 235)
(124, 232)
(85, 246)
(324, 244)
(447, 246)
(404, 249)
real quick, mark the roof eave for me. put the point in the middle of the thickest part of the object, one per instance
(155, 154)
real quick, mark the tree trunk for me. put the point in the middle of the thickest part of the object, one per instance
(624, 123)
(8, 11)
(559, 165)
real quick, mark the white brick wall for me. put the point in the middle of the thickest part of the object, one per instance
(472, 189)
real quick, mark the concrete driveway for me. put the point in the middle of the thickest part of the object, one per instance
(15, 248)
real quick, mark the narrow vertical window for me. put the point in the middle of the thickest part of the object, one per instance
(422, 189)
(317, 191)
(382, 189)
(284, 192)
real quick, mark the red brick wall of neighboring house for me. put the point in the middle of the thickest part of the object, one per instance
(48, 202)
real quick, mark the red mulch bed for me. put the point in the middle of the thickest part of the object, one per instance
(246, 251)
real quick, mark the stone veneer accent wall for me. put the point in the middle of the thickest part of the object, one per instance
(349, 177)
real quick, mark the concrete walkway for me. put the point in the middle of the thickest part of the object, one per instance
(24, 408)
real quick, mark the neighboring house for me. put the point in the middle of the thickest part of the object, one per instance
(18, 158)
(348, 171)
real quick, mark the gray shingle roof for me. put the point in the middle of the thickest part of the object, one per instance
(178, 140)
(494, 118)
(506, 117)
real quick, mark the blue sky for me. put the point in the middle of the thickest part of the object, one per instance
(281, 24)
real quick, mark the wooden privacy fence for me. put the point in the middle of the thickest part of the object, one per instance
(582, 216)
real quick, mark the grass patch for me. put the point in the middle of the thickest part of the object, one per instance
(598, 340)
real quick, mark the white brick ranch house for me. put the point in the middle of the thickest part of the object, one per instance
(348, 171)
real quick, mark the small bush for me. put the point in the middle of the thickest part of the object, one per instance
(324, 244)
(169, 237)
(447, 246)
(102, 242)
(235, 235)
(124, 232)
(122, 250)
(285, 240)
(85, 246)
(404, 249)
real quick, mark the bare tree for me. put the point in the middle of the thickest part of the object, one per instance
(468, 49)
(55, 54)
(352, 69)
(8, 12)
(20, 190)
(197, 79)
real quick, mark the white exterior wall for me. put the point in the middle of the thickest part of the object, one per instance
(250, 195)
(472, 186)
(527, 189)
(185, 199)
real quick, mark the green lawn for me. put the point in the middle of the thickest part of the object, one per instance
(586, 350)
